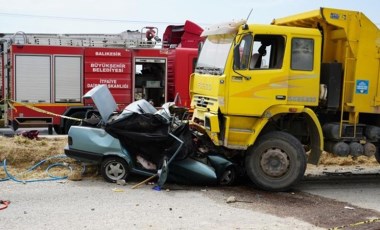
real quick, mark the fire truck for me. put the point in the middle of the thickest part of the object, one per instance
(45, 75)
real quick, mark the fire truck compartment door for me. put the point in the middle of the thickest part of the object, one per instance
(68, 74)
(32, 78)
(103, 100)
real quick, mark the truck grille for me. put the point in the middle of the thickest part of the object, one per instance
(201, 101)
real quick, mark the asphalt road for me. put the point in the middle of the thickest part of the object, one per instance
(95, 204)
(9, 131)
(318, 202)
(362, 191)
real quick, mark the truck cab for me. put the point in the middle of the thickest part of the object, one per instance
(253, 79)
(250, 78)
(272, 92)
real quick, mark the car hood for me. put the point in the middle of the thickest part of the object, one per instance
(103, 100)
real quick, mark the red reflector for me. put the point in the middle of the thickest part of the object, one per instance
(293, 110)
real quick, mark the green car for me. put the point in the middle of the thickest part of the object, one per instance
(146, 141)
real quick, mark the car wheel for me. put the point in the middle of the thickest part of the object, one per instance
(228, 177)
(114, 168)
(276, 161)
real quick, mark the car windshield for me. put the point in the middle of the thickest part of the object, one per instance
(213, 56)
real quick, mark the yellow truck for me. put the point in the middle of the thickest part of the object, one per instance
(278, 95)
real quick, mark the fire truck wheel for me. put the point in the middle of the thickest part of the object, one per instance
(276, 161)
(114, 168)
(57, 129)
(14, 125)
(69, 123)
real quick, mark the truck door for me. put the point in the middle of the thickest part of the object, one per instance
(258, 80)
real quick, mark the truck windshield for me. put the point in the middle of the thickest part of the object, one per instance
(213, 56)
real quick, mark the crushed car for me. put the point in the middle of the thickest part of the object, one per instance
(146, 141)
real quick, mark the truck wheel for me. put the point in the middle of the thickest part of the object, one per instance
(114, 168)
(69, 123)
(276, 161)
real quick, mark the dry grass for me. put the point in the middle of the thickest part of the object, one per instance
(330, 159)
(22, 153)
(21, 150)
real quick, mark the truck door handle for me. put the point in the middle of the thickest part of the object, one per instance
(240, 78)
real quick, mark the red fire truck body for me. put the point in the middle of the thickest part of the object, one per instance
(54, 77)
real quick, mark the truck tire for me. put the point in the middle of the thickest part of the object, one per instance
(69, 123)
(114, 168)
(276, 161)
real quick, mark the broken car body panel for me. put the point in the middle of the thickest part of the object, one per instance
(96, 144)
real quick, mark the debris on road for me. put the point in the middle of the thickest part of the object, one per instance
(121, 182)
(4, 204)
(231, 199)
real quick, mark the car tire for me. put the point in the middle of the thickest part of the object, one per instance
(114, 169)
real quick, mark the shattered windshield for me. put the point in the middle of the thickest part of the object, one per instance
(213, 56)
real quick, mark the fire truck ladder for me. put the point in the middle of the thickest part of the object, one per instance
(126, 39)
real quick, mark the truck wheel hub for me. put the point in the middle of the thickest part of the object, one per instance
(274, 162)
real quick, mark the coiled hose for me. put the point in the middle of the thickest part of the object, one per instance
(50, 178)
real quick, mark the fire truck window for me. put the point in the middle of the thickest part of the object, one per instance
(268, 52)
(302, 54)
(243, 53)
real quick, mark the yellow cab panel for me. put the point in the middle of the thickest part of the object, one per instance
(273, 66)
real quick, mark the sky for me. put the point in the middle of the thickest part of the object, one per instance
(115, 16)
